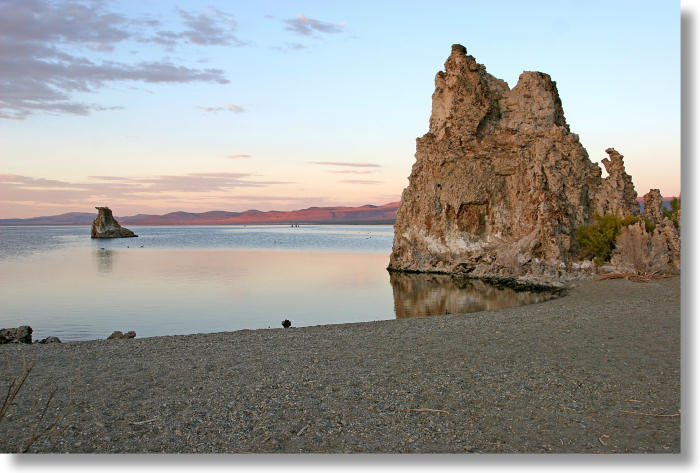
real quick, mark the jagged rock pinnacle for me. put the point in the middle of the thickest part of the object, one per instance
(105, 226)
(500, 183)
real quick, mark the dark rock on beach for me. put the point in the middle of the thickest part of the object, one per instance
(22, 334)
(105, 226)
(118, 335)
(50, 340)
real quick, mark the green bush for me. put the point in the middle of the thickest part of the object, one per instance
(672, 213)
(598, 239)
(632, 219)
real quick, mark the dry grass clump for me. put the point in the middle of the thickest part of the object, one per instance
(636, 277)
(44, 426)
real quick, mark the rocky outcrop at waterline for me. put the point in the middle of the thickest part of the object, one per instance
(118, 335)
(500, 183)
(105, 226)
(22, 334)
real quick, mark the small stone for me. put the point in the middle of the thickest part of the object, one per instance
(50, 340)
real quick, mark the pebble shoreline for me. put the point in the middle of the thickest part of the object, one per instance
(595, 371)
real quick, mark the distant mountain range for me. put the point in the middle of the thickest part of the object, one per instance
(665, 202)
(366, 214)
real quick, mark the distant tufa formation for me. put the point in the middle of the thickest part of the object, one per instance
(105, 226)
(500, 185)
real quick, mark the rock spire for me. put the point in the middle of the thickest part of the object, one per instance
(105, 226)
(500, 183)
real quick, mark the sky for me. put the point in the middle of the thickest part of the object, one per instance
(156, 106)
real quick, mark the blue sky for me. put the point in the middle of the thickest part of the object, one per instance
(158, 106)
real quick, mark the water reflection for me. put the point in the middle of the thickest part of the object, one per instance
(417, 295)
(104, 259)
(87, 293)
(78, 294)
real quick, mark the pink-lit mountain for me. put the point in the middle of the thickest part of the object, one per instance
(366, 214)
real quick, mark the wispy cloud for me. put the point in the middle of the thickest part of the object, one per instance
(350, 171)
(17, 188)
(239, 156)
(24, 196)
(292, 47)
(388, 197)
(209, 27)
(360, 181)
(193, 182)
(27, 182)
(305, 26)
(232, 107)
(45, 48)
(339, 163)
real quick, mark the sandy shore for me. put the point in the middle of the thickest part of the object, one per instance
(595, 371)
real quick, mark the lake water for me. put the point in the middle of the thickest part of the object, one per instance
(181, 280)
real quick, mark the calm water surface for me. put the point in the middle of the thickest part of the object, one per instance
(180, 280)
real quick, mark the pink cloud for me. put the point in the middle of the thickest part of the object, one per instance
(360, 181)
(339, 163)
(26, 190)
(305, 26)
(350, 171)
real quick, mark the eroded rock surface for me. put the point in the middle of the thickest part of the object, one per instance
(652, 206)
(105, 226)
(643, 252)
(500, 183)
(22, 334)
(649, 252)
(616, 194)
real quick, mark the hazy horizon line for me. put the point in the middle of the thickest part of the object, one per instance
(204, 211)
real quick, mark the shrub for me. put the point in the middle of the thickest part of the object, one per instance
(598, 239)
(672, 213)
(632, 219)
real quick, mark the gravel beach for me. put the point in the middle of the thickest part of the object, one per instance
(597, 371)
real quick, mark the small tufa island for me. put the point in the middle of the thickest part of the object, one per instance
(105, 226)
(501, 188)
